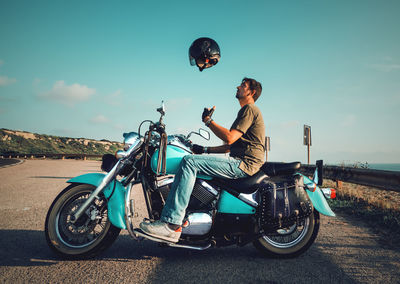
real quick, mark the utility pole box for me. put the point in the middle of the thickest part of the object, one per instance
(307, 135)
(307, 140)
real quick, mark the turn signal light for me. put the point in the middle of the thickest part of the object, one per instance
(333, 193)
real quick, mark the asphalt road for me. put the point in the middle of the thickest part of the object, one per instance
(344, 252)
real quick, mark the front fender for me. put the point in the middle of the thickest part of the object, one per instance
(317, 197)
(116, 204)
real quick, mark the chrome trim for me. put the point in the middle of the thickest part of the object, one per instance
(165, 181)
(189, 247)
(199, 224)
(250, 198)
(129, 212)
(208, 187)
(327, 192)
(129, 139)
(120, 154)
(294, 242)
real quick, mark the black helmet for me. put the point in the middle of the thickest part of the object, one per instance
(204, 52)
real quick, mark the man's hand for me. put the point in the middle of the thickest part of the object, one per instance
(197, 149)
(207, 113)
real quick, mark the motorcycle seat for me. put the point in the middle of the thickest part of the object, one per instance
(243, 185)
(248, 184)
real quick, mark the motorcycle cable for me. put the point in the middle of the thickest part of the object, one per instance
(147, 120)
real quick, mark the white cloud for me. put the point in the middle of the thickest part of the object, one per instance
(100, 119)
(4, 80)
(68, 95)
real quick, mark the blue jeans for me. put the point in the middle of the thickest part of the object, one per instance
(182, 187)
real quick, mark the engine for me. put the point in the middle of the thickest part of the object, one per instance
(198, 221)
(203, 196)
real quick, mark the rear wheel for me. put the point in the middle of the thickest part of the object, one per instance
(89, 235)
(291, 241)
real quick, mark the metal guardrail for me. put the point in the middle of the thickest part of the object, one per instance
(54, 156)
(389, 180)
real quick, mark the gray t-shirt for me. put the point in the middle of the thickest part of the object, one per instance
(250, 148)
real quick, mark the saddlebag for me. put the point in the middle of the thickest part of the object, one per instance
(283, 203)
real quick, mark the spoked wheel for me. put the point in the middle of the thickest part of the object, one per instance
(292, 241)
(89, 235)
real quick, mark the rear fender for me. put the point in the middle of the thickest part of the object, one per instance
(116, 204)
(317, 197)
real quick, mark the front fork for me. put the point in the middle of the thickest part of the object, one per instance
(104, 183)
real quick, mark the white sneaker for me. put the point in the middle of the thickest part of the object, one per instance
(160, 230)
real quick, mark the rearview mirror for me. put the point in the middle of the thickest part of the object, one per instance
(204, 133)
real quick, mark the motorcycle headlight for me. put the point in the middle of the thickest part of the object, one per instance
(130, 139)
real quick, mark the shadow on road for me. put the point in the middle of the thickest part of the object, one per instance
(24, 248)
(51, 177)
(27, 248)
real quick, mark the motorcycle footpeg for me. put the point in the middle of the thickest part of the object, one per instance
(140, 233)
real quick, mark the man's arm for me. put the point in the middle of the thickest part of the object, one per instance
(228, 136)
(218, 149)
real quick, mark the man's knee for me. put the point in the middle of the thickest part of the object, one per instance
(188, 161)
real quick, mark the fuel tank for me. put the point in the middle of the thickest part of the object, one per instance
(174, 158)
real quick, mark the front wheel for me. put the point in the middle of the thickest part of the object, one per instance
(89, 235)
(291, 241)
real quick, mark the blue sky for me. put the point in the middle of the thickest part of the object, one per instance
(96, 69)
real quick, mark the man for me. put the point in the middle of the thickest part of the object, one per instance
(245, 142)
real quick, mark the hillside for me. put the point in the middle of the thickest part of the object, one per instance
(13, 141)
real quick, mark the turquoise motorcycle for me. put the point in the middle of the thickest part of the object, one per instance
(277, 209)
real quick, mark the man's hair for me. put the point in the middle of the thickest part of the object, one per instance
(254, 86)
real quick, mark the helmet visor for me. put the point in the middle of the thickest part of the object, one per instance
(192, 60)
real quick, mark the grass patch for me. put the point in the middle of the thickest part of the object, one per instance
(379, 209)
(14, 142)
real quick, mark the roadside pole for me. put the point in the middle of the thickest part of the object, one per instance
(267, 147)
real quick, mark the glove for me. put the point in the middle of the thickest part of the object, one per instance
(207, 112)
(197, 149)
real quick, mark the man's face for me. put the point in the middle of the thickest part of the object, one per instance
(243, 90)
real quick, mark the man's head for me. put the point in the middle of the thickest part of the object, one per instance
(249, 87)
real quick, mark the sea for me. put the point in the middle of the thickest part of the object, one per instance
(385, 167)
